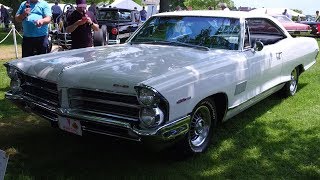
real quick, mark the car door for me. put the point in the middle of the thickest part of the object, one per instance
(264, 66)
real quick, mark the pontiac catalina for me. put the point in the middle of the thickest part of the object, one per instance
(174, 80)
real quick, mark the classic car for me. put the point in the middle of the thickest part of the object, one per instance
(173, 81)
(292, 27)
(117, 24)
(315, 27)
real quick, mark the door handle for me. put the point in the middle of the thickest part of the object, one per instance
(278, 55)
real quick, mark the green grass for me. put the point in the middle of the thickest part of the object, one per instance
(277, 138)
(7, 49)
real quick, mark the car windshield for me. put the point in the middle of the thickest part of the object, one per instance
(114, 15)
(208, 32)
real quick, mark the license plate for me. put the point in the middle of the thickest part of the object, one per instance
(125, 35)
(70, 125)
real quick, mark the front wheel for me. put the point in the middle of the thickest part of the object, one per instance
(202, 124)
(290, 88)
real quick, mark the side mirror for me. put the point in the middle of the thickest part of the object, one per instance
(258, 46)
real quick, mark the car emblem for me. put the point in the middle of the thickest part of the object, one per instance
(183, 100)
(119, 85)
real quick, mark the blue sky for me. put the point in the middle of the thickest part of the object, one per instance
(307, 6)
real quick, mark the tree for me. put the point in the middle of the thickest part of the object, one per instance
(15, 6)
(297, 10)
(200, 4)
(164, 5)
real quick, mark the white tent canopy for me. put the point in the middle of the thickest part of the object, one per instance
(5, 6)
(126, 4)
(276, 11)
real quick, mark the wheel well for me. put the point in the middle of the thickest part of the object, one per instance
(221, 102)
(300, 68)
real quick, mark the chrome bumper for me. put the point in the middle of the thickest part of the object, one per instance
(105, 126)
(111, 42)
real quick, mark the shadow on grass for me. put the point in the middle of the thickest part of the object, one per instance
(244, 148)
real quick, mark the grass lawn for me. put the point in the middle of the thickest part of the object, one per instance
(7, 49)
(276, 138)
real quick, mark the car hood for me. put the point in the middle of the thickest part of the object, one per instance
(115, 68)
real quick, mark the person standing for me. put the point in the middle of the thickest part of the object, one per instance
(80, 24)
(285, 12)
(5, 16)
(56, 12)
(317, 19)
(35, 16)
(136, 14)
(143, 14)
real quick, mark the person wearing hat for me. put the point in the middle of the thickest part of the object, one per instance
(80, 24)
(35, 16)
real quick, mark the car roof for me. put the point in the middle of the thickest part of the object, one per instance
(216, 13)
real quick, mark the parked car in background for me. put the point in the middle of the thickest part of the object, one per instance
(292, 27)
(174, 81)
(315, 27)
(116, 24)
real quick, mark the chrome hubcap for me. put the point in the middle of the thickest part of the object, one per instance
(293, 82)
(200, 126)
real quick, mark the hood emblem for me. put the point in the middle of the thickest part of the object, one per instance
(121, 86)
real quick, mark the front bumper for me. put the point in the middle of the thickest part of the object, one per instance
(105, 126)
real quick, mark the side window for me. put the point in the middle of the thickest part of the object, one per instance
(247, 37)
(264, 30)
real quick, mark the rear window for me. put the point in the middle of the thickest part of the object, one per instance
(263, 26)
(114, 15)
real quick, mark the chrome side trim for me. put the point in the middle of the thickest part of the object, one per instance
(241, 107)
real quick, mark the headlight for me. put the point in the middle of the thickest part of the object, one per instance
(148, 97)
(12, 72)
(151, 117)
(15, 85)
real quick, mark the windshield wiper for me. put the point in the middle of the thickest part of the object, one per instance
(176, 43)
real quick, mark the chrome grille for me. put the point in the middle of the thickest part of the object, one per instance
(40, 90)
(103, 104)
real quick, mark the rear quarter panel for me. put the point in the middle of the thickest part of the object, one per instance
(298, 51)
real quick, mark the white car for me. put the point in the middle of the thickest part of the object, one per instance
(176, 78)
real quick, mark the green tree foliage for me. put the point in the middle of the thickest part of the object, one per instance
(297, 10)
(204, 4)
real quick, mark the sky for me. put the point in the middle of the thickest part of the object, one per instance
(308, 7)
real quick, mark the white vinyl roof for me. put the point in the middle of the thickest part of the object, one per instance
(218, 13)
